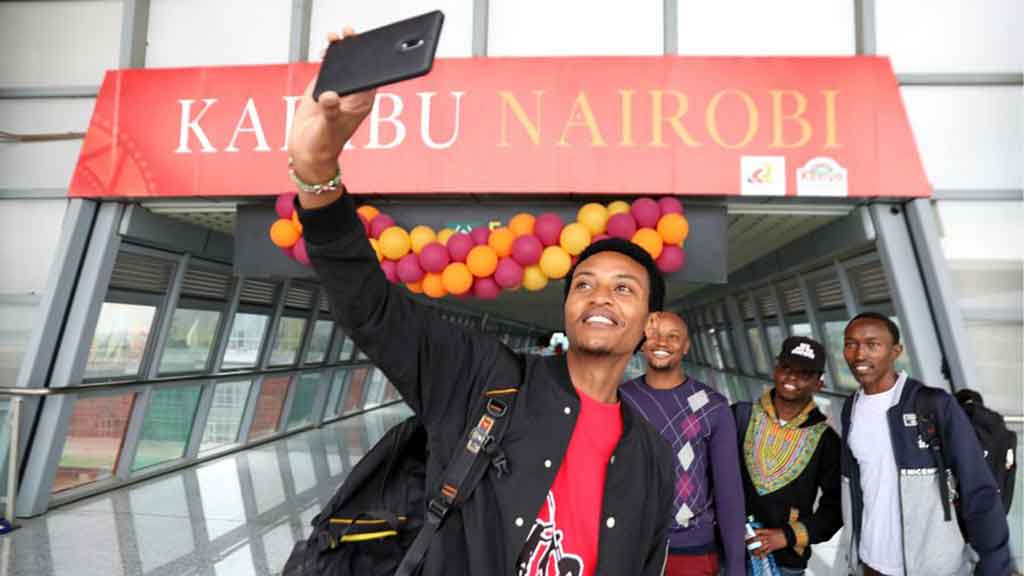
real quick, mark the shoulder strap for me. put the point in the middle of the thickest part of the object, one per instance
(742, 413)
(926, 406)
(483, 439)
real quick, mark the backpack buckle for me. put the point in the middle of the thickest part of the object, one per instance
(436, 511)
(496, 408)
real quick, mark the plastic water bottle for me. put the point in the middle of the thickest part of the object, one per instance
(758, 566)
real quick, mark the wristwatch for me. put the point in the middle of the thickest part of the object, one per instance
(329, 186)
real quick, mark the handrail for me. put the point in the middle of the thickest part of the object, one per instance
(122, 384)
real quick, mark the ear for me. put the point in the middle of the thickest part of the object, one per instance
(897, 349)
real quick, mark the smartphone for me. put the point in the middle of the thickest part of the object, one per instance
(385, 55)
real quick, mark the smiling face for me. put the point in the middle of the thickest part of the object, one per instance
(794, 384)
(871, 352)
(606, 307)
(667, 342)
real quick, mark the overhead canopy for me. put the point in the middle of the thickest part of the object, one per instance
(831, 127)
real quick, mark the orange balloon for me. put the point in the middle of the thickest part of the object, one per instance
(673, 228)
(283, 233)
(594, 216)
(575, 238)
(433, 285)
(649, 240)
(554, 262)
(456, 278)
(501, 240)
(420, 236)
(376, 249)
(521, 224)
(444, 235)
(295, 221)
(618, 207)
(415, 287)
(394, 242)
(368, 212)
(482, 261)
(534, 278)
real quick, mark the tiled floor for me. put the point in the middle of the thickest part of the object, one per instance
(239, 514)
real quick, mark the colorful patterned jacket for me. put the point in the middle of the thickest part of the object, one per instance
(784, 467)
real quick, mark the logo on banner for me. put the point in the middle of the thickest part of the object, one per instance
(763, 175)
(821, 176)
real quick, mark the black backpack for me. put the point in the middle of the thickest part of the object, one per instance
(380, 522)
(998, 442)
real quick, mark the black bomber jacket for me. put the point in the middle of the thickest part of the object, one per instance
(442, 370)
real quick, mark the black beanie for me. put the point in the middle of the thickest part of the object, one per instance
(656, 297)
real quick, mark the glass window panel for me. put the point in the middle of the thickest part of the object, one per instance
(225, 417)
(457, 39)
(189, 341)
(727, 355)
(317, 349)
(287, 341)
(243, 349)
(94, 438)
(791, 28)
(774, 340)
(347, 347)
(834, 338)
(969, 137)
(269, 405)
(167, 426)
(301, 412)
(228, 32)
(986, 261)
(951, 36)
(337, 384)
(538, 28)
(801, 329)
(360, 355)
(353, 400)
(119, 340)
(757, 349)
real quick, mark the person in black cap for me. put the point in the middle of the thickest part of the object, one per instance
(585, 485)
(789, 453)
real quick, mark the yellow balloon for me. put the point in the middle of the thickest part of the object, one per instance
(456, 278)
(444, 235)
(575, 238)
(618, 207)
(554, 262)
(533, 278)
(394, 242)
(594, 216)
(420, 236)
(368, 212)
(521, 224)
(376, 249)
(433, 285)
(650, 240)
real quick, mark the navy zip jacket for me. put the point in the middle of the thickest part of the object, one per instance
(442, 371)
(932, 546)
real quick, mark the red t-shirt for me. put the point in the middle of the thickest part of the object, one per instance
(563, 540)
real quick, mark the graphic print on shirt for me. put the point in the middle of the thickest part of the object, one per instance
(543, 554)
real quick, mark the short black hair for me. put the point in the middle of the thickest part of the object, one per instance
(893, 328)
(656, 293)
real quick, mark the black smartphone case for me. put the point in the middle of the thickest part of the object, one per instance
(385, 55)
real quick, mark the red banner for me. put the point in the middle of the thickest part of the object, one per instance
(645, 125)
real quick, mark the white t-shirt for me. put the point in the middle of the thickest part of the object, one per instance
(881, 535)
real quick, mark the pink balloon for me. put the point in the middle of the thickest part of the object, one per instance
(671, 260)
(300, 252)
(527, 249)
(548, 227)
(390, 270)
(600, 237)
(480, 234)
(409, 268)
(288, 252)
(380, 223)
(646, 212)
(285, 206)
(622, 225)
(670, 205)
(486, 288)
(508, 274)
(434, 257)
(459, 245)
(366, 223)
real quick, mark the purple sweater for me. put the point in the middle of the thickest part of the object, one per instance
(698, 424)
